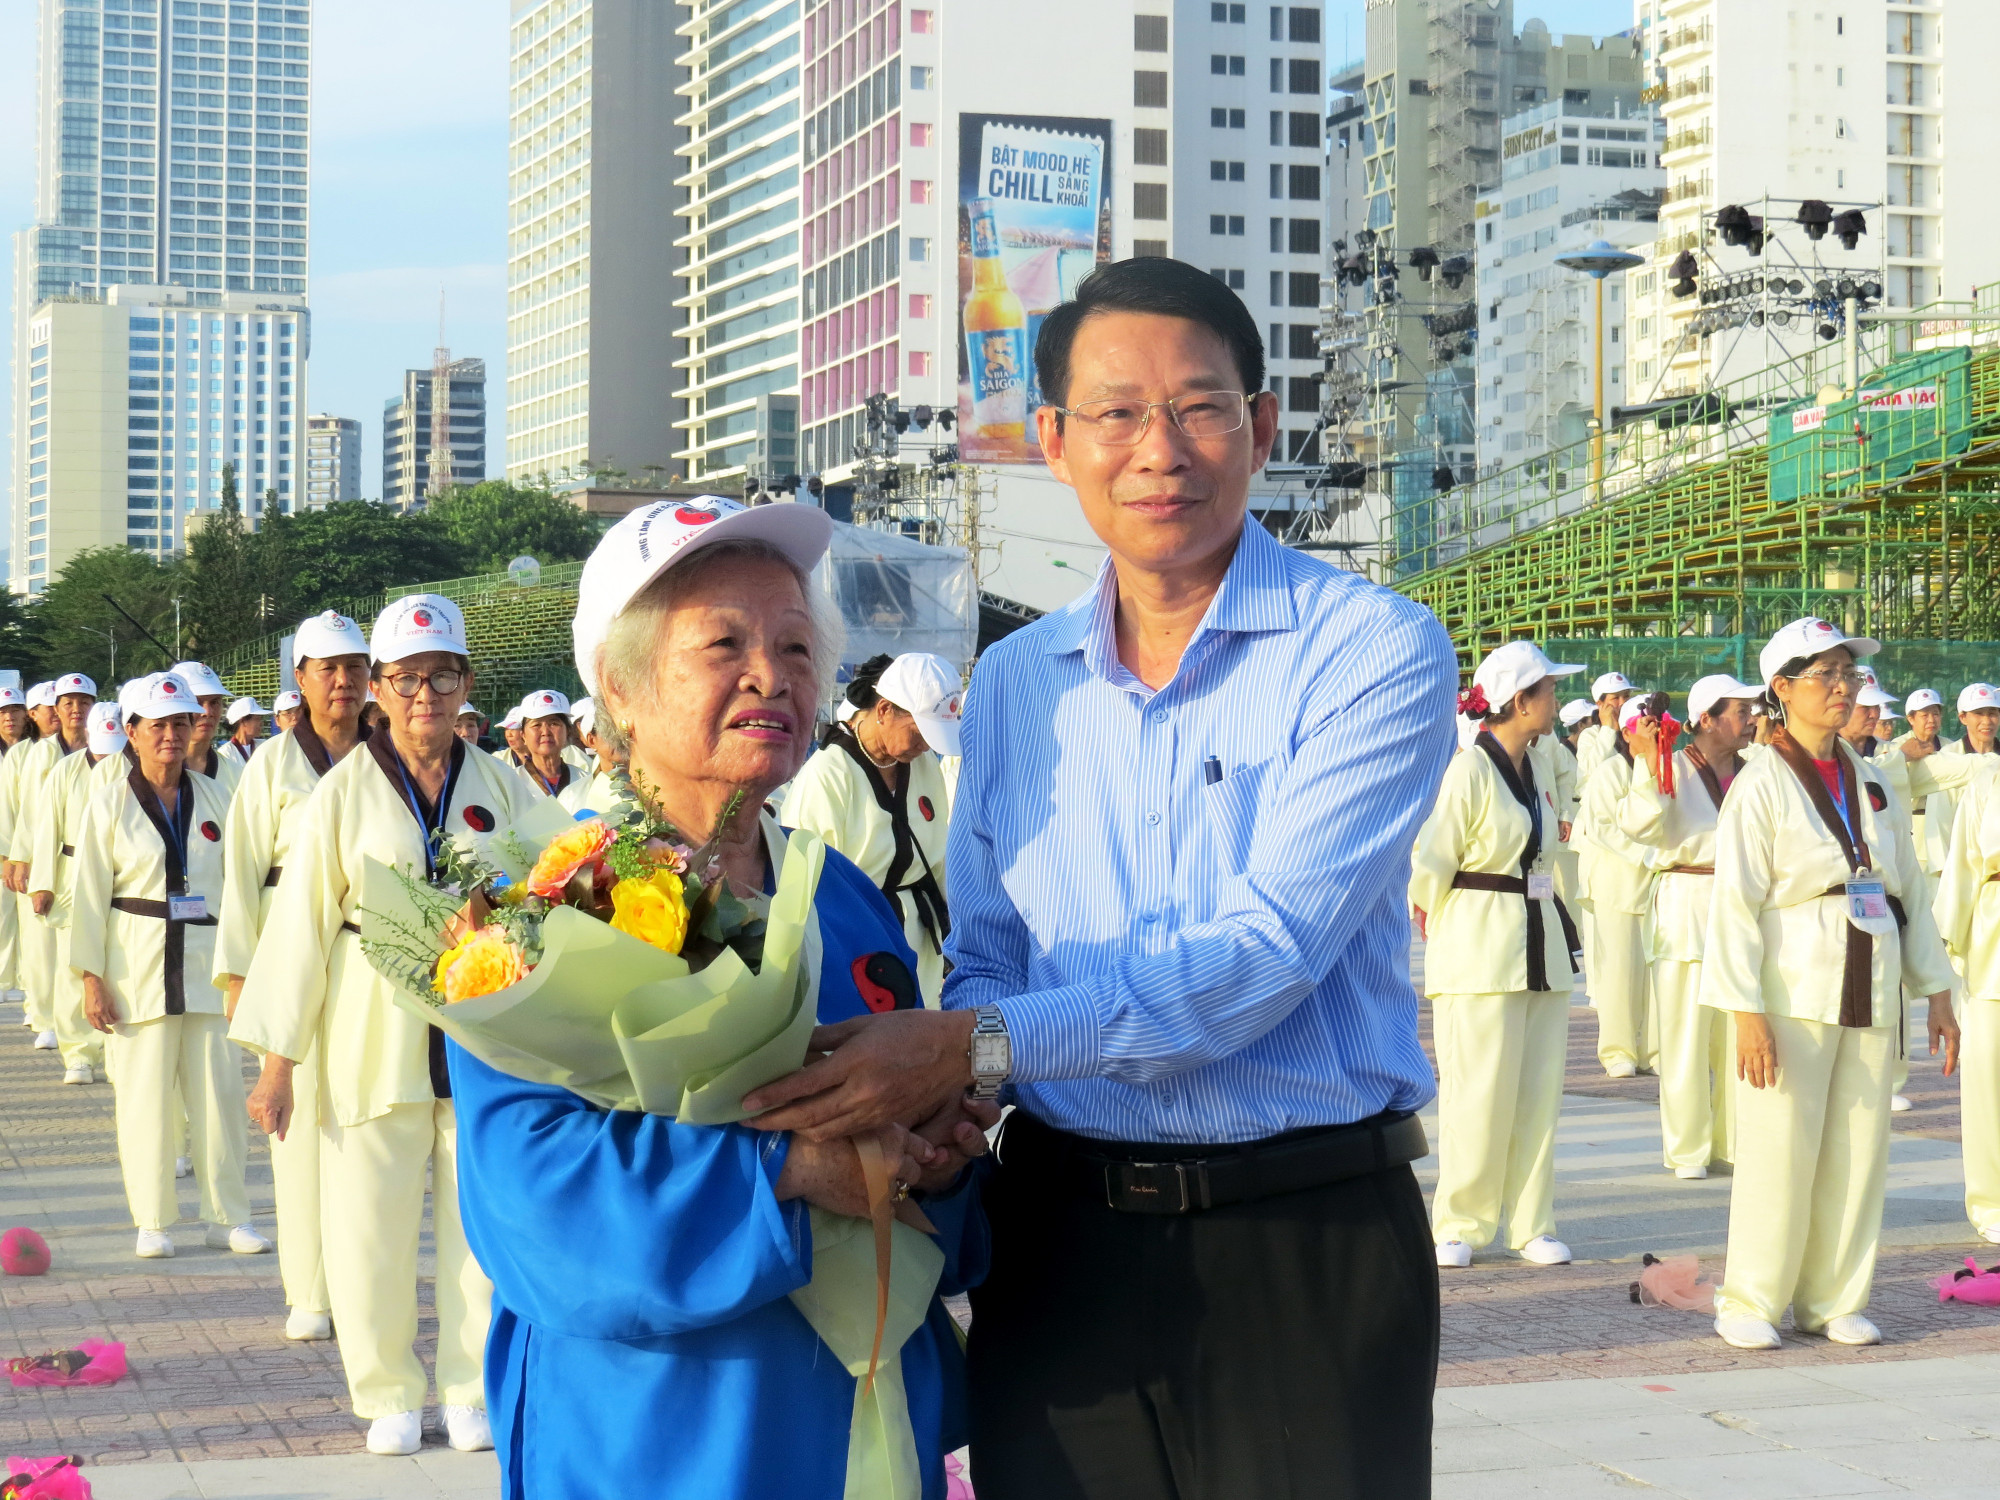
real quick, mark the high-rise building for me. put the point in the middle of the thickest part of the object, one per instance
(592, 324)
(740, 230)
(135, 398)
(333, 461)
(407, 428)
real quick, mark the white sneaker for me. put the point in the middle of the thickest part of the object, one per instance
(397, 1436)
(308, 1327)
(467, 1429)
(1852, 1328)
(155, 1244)
(1898, 1105)
(1545, 1250)
(1622, 1067)
(241, 1240)
(1748, 1333)
(79, 1074)
(1991, 1234)
(45, 1041)
(183, 1167)
(1454, 1255)
(1691, 1174)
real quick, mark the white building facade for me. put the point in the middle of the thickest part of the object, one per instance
(407, 430)
(333, 461)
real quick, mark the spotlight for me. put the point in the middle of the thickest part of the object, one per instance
(1815, 216)
(1684, 270)
(1871, 291)
(1442, 478)
(920, 418)
(1757, 319)
(1455, 270)
(1828, 331)
(1423, 260)
(1822, 288)
(1732, 222)
(1845, 288)
(1849, 226)
(1781, 319)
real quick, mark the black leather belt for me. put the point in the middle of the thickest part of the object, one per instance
(1181, 1179)
(139, 906)
(350, 927)
(271, 875)
(69, 851)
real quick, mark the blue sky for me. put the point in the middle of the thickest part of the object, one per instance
(410, 184)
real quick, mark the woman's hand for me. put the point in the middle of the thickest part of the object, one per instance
(1916, 749)
(958, 1133)
(270, 1103)
(827, 1174)
(1944, 1030)
(231, 996)
(1644, 736)
(1756, 1050)
(41, 902)
(98, 1007)
(1562, 831)
(14, 875)
(1423, 922)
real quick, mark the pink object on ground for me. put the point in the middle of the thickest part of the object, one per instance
(956, 1485)
(23, 1253)
(107, 1363)
(1676, 1282)
(50, 1481)
(1972, 1286)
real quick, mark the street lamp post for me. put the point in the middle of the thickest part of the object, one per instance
(1598, 260)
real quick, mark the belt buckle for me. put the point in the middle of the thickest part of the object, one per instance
(1146, 1187)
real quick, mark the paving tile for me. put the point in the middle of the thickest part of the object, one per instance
(1619, 1437)
(1491, 1449)
(1928, 1466)
(1759, 1476)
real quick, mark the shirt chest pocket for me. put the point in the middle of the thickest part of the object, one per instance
(1230, 805)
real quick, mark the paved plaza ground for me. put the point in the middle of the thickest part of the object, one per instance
(1553, 1382)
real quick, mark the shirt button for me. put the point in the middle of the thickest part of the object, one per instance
(1152, 818)
(1159, 716)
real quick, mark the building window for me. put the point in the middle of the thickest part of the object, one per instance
(1154, 249)
(1149, 200)
(1224, 65)
(921, 20)
(1225, 119)
(1302, 394)
(1304, 21)
(1304, 287)
(1225, 171)
(1304, 129)
(920, 250)
(1302, 183)
(920, 79)
(1303, 237)
(1149, 33)
(1149, 90)
(1225, 224)
(1277, 180)
(1231, 279)
(1231, 15)
(1303, 344)
(920, 190)
(1149, 148)
(920, 363)
(920, 306)
(1302, 74)
(920, 134)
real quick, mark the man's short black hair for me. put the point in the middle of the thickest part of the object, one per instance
(1150, 284)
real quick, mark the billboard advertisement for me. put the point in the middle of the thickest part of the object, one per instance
(1034, 216)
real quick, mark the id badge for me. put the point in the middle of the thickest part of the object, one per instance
(1541, 887)
(187, 908)
(1867, 898)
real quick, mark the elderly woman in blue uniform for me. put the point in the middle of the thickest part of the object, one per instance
(644, 1341)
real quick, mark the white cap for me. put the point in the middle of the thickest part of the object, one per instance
(1610, 682)
(326, 635)
(107, 735)
(244, 708)
(469, 712)
(1718, 688)
(649, 540)
(42, 695)
(513, 719)
(1807, 638)
(72, 682)
(417, 623)
(929, 688)
(1872, 696)
(1923, 698)
(845, 711)
(159, 696)
(201, 677)
(544, 703)
(1576, 711)
(1888, 714)
(1509, 669)
(1978, 695)
(1633, 711)
(286, 701)
(13, 697)
(583, 714)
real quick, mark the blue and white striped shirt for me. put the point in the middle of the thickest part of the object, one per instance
(1186, 962)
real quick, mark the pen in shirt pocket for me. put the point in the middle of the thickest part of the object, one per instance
(1211, 771)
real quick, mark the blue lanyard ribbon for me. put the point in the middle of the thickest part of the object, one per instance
(415, 803)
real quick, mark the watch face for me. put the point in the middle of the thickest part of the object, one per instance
(990, 1054)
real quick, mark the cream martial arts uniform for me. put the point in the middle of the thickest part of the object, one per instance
(1595, 744)
(171, 1036)
(1618, 873)
(1500, 1019)
(574, 778)
(66, 794)
(222, 768)
(1812, 1151)
(1968, 917)
(836, 798)
(385, 1110)
(264, 821)
(10, 916)
(595, 794)
(1697, 1047)
(37, 952)
(1555, 767)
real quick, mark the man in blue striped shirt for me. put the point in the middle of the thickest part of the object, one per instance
(1178, 859)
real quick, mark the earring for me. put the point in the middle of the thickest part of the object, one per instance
(625, 728)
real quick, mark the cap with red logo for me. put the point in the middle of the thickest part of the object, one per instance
(327, 635)
(201, 677)
(1978, 695)
(286, 701)
(42, 695)
(545, 703)
(13, 697)
(417, 623)
(1924, 698)
(74, 682)
(107, 735)
(159, 696)
(652, 539)
(1807, 638)
(930, 689)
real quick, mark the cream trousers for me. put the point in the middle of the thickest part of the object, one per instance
(1979, 1106)
(1500, 1072)
(1697, 1061)
(36, 965)
(10, 941)
(1812, 1158)
(150, 1061)
(82, 1044)
(1618, 984)
(296, 1187)
(371, 1217)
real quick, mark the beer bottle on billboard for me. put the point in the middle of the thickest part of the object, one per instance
(996, 337)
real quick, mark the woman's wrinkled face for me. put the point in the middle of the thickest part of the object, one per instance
(735, 692)
(545, 738)
(426, 716)
(895, 732)
(161, 744)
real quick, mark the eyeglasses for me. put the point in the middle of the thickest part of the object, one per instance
(443, 684)
(1827, 681)
(1119, 423)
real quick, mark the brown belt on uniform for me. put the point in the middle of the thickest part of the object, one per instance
(271, 875)
(350, 927)
(1690, 869)
(1473, 880)
(69, 851)
(139, 906)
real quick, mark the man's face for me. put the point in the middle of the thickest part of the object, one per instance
(1168, 501)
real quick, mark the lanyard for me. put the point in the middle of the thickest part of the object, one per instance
(1840, 798)
(416, 803)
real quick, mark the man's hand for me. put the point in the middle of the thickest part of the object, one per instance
(828, 1173)
(1944, 1030)
(958, 1132)
(270, 1103)
(899, 1067)
(98, 1007)
(41, 902)
(1756, 1050)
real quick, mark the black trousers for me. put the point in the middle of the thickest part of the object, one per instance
(1283, 1349)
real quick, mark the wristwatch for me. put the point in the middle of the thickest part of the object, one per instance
(992, 1053)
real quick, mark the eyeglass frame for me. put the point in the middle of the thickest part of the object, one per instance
(1146, 422)
(1851, 677)
(426, 679)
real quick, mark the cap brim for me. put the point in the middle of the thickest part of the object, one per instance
(944, 735)
(1860, 645)
(1565, 668)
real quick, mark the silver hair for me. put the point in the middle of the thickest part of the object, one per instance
(628, 658)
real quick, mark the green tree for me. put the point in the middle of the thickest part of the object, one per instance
(219, 605)
(360, 547)
(21, 638)
(78, 627)
(494, 522)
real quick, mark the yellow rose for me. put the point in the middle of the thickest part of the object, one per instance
(485, 962)
(567, 854)
(653, 910)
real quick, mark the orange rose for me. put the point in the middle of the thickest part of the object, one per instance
(581, 846)
(485, 962)
(653, 910)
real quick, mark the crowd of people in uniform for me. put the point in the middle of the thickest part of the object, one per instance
(180, 887)
(1755, 896)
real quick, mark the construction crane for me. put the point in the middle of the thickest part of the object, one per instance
(440, 459)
